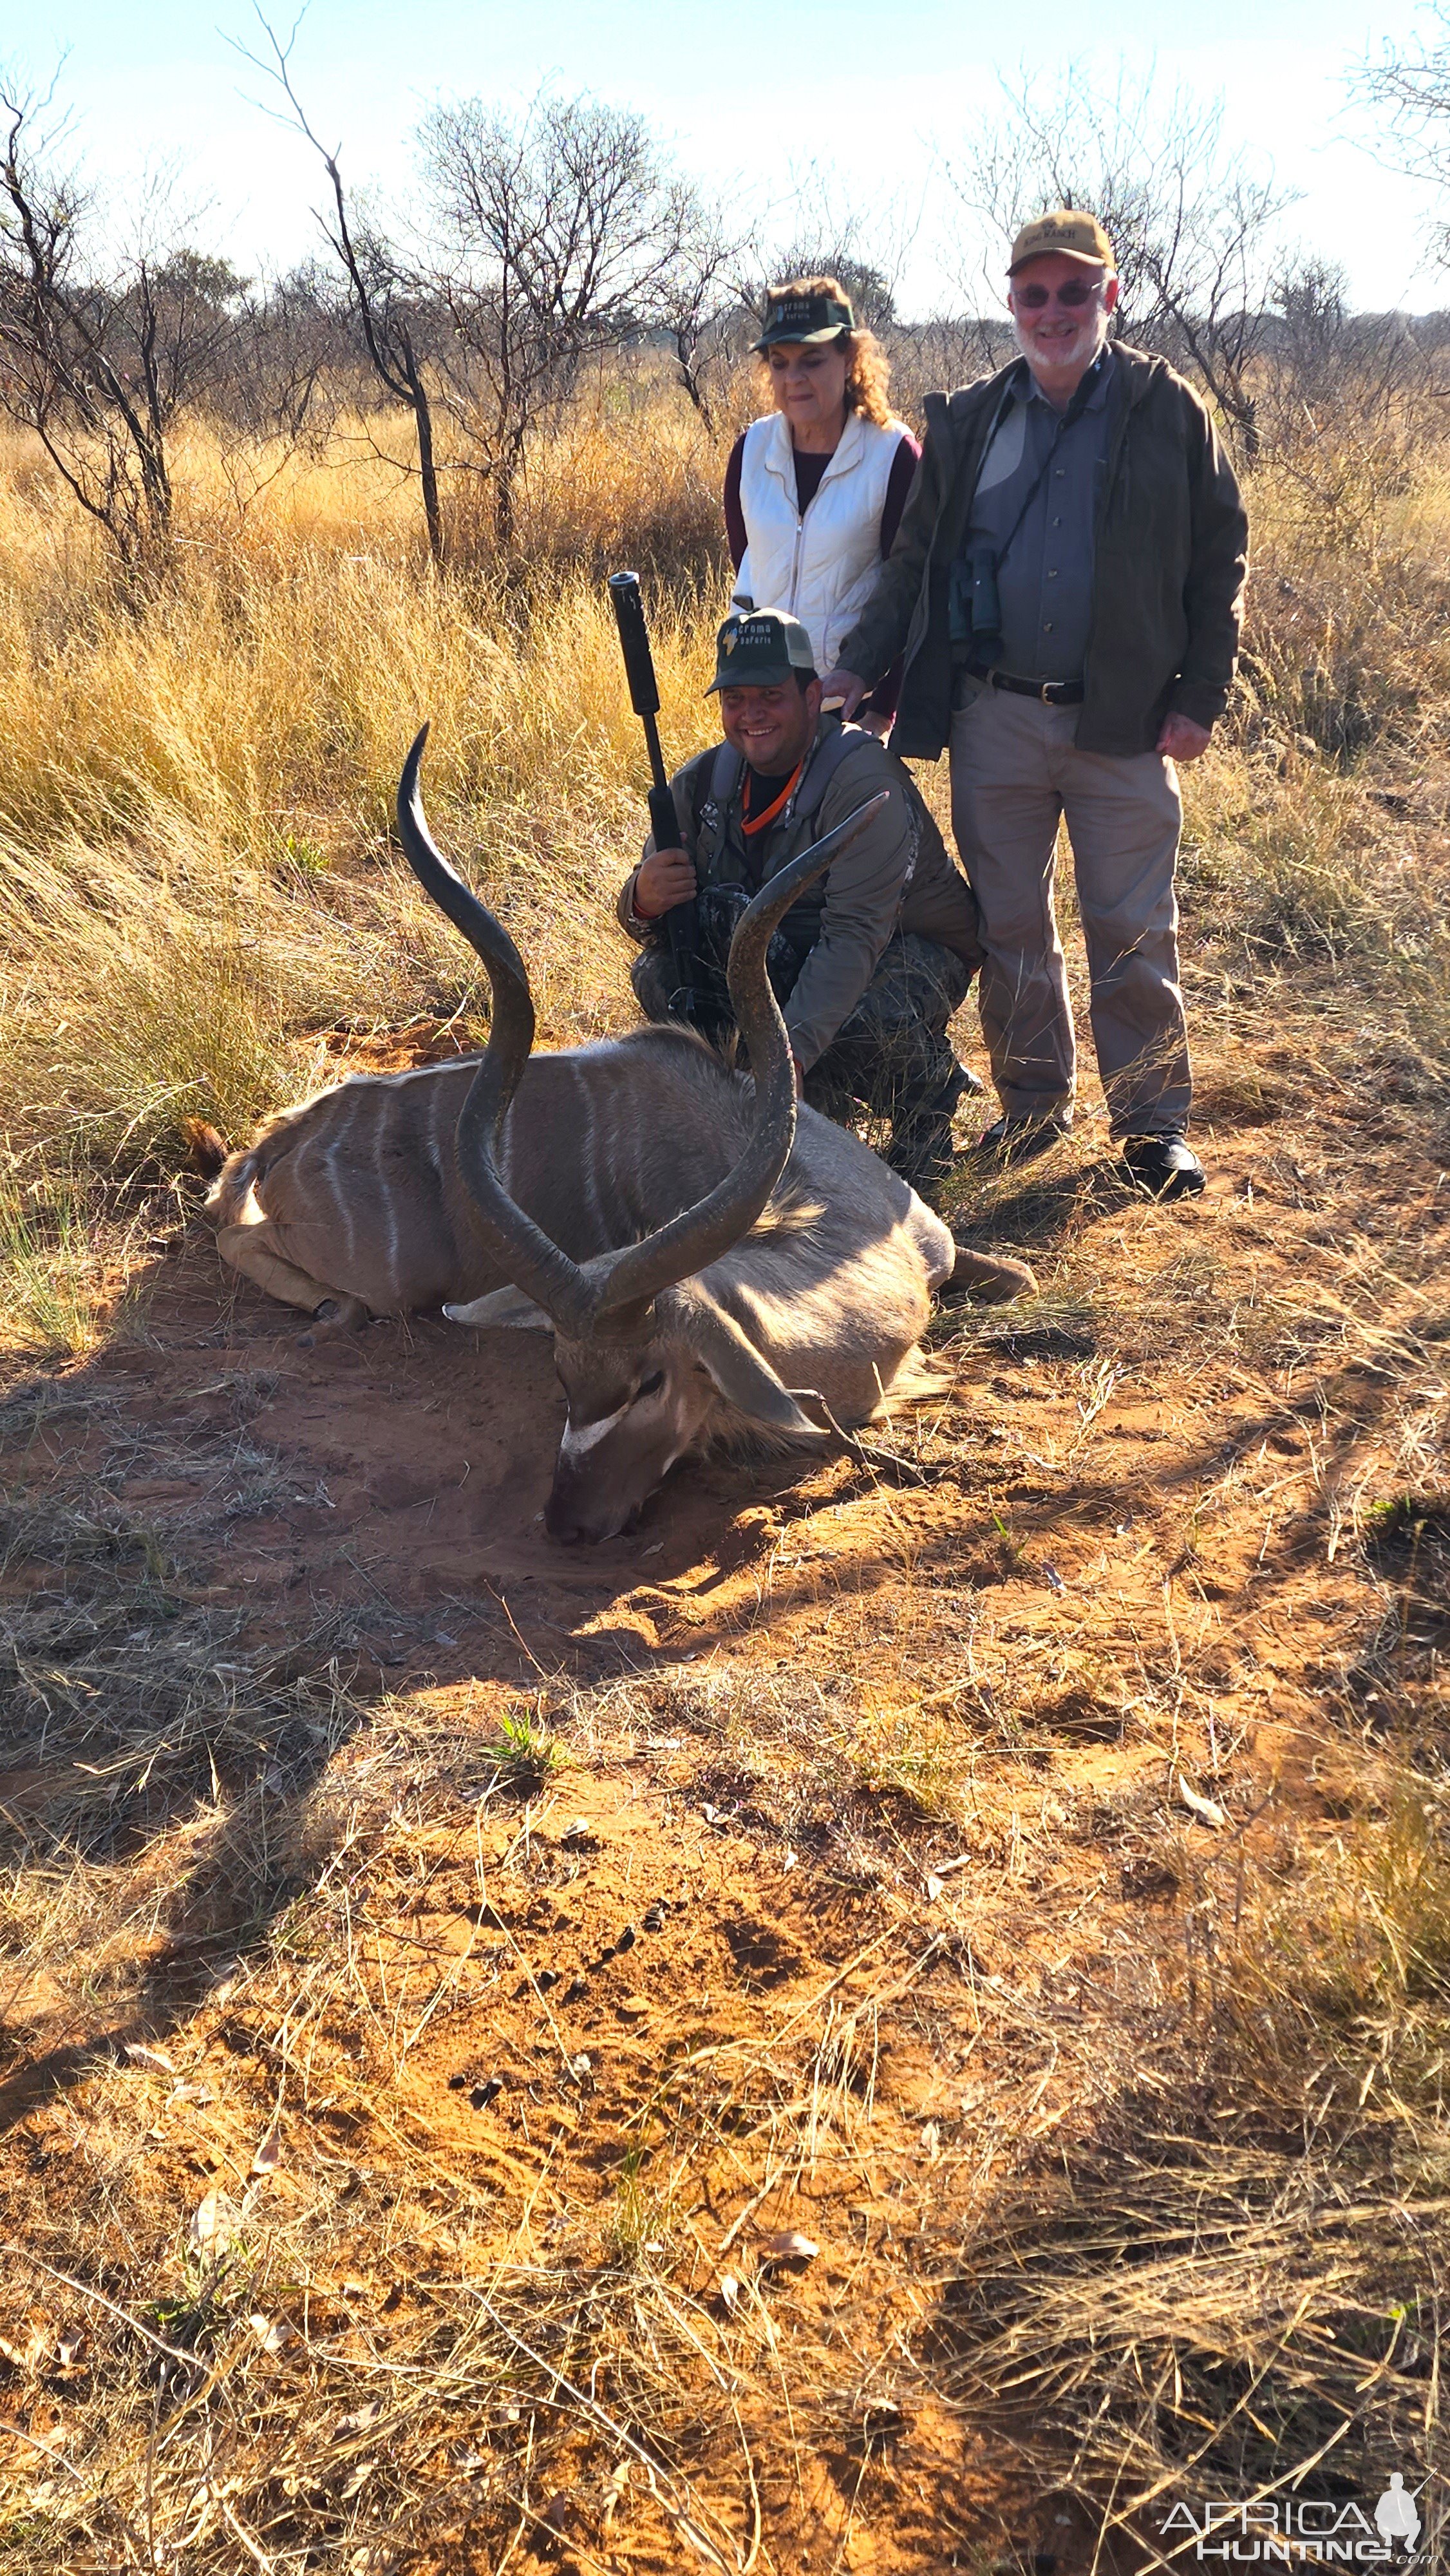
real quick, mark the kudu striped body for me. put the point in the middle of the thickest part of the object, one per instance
(712, 1262)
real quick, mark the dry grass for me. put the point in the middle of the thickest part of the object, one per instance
(197, 874)
(1165, 2207)
(1255, 2238)
(1120, 2127)
(195, 814)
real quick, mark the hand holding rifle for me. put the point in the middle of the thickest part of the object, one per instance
(666, 878)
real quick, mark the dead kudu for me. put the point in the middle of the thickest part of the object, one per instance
(714, 1263)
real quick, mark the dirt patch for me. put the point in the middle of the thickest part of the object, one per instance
(655, 1966)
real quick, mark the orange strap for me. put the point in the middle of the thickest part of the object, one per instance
(750, 824)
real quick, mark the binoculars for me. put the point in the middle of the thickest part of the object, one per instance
(975, 609)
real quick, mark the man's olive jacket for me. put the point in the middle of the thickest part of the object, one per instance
(1168, 574)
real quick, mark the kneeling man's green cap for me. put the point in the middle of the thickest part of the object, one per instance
(761, 648)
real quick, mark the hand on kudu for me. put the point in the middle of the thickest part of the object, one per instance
(1181, 739)
(665, 878)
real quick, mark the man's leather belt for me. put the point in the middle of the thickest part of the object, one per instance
(1053, 693)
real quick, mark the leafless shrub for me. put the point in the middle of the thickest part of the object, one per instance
(383, 297)
(1194, 224)
(99, 351)
(550, 239)
(1409, 85)
(290, 364)
(1343, 404)
(708, 320)
(560, 235)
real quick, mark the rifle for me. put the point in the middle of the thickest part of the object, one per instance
(680, 924)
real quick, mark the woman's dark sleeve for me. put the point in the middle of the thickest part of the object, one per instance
(903, 472)
(904, 463)
(735, 535)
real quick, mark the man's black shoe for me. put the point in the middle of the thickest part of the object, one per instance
(1016, 1140)
(1162, 1166)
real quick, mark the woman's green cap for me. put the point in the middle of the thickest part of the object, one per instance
(805, 320)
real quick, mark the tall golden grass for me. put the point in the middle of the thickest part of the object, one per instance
(195, 793)
(195, 799)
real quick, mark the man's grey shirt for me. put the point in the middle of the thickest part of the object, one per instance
(1046, 584)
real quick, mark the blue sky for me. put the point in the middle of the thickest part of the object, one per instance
(743, 91)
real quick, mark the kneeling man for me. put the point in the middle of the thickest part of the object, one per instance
(870, 964)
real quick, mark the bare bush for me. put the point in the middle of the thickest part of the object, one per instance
(1409, 85)
(559, 236)
(708, 319)
(381, 296)
(291, 359)
(98, 352)
(550, 239)
(1343, 404)
(1194, 225)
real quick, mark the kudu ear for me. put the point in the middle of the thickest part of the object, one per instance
(502, 1306)
(738, 1371)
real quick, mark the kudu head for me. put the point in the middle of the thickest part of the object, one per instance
(644, 1350)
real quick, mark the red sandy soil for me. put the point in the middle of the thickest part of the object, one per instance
(1136, 1566)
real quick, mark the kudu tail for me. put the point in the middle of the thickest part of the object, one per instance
(206, 1151)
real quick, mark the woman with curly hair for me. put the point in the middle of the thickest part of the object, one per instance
(814, 490)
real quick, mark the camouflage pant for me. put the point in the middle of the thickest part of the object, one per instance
(891, 1057)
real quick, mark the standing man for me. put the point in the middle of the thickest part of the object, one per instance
(870, 963)
(1067, 585)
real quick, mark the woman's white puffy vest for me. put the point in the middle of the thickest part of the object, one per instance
(821, 567)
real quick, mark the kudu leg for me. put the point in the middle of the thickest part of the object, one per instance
(989, 1279)
(246, 1248)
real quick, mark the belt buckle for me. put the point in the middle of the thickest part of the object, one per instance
(1044, 692)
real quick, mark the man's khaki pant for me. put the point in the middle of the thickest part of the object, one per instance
(1016, 771)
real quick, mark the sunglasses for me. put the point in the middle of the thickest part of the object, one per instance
(1035, 299)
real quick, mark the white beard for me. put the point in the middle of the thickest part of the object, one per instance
(1078, 352)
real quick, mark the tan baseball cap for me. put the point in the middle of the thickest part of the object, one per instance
(1068, 232)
